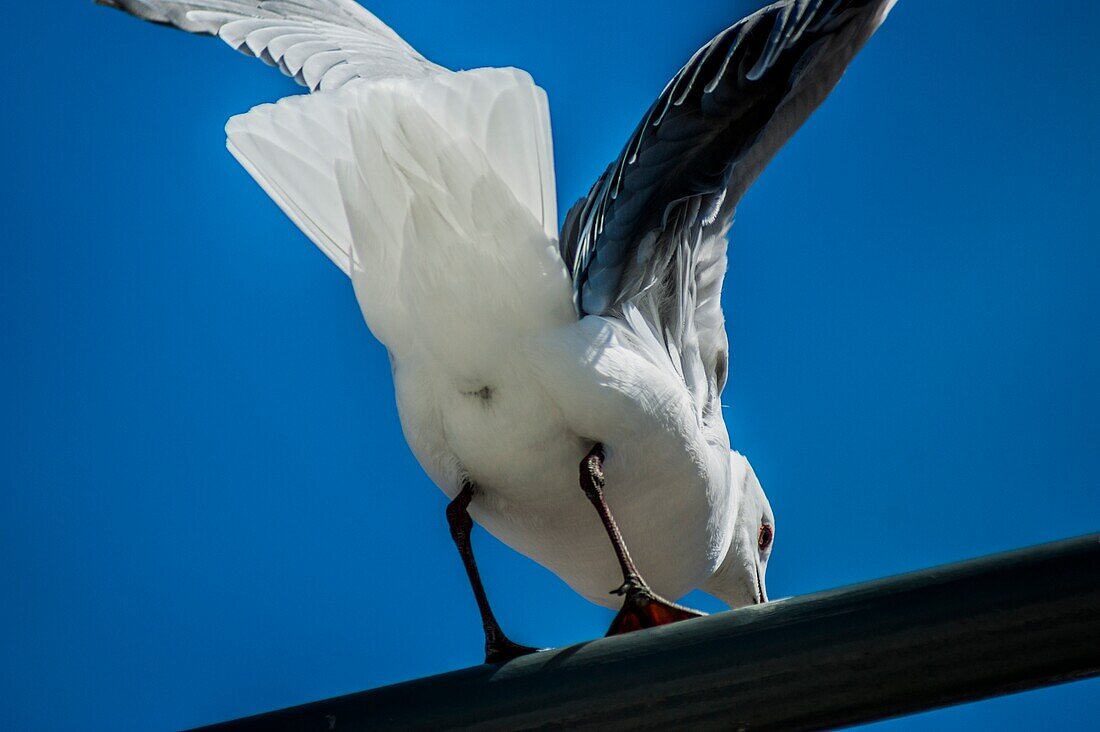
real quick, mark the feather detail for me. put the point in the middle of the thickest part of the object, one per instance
(323, 44)
(652, 232)
(434, 195)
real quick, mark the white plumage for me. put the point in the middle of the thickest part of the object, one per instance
(437, 196)
(434, 191)
(322, 44)
(495, 119)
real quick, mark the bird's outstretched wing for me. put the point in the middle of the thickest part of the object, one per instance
(338, 49)
(322, 44)
(415, 180)
(650, 238)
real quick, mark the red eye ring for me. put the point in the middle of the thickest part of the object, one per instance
(766, 537)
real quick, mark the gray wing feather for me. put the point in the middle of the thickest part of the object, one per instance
(652, 233)
(321, 44)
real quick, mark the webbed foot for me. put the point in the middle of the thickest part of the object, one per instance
(644, 609)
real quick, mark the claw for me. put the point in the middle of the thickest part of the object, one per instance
(502, 651)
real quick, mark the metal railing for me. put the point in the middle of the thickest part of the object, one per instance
(921, 641)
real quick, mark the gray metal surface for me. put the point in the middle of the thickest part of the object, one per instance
(930, 639)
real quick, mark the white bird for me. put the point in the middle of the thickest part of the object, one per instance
(519, 355)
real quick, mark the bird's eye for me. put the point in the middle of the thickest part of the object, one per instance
(766, 537)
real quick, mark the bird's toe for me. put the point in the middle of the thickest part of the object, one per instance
(643, 609)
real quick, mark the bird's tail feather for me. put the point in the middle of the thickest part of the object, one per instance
(458, 167)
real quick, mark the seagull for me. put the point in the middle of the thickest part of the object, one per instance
(562, 387)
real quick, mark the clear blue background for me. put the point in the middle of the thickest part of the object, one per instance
(208, 509)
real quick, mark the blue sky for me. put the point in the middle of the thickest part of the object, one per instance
(208, 509)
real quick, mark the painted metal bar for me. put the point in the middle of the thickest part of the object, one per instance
(930, 639)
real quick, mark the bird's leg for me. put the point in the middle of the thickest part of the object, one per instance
(641, 607)
(498, 648)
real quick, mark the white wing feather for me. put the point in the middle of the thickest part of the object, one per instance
(322, 44)
(295, 148)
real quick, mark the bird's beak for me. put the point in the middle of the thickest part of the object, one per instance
(761, 591)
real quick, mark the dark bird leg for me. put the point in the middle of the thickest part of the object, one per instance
(641, 607)
(498, 649)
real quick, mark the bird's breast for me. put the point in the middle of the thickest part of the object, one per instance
(519, 431)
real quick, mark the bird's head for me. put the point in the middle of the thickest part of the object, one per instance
(740, 580)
